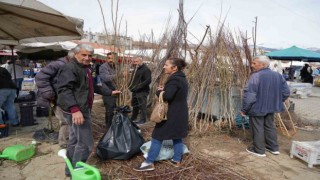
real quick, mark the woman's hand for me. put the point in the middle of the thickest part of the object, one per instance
(115, 92)
(160, 88)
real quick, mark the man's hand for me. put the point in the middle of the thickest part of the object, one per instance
(116, 92)
(77, 118)
(242, 114)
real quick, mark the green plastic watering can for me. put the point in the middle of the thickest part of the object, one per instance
(19, 152)
(86, 172)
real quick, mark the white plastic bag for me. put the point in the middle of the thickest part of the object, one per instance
(166, 151)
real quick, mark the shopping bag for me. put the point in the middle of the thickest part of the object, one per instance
(159, 112)
(166, 151)
(123, 140)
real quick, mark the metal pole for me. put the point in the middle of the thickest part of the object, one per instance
(14, 63)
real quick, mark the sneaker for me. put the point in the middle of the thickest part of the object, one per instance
(251, 150)
(273, 152)
(175, 163)
(144, 167)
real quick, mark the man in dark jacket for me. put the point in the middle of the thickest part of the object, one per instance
(107, 75)
(7, 96)
(263, 96)
(306, 74)
(139, 86)
(46, 81)
(75, 98)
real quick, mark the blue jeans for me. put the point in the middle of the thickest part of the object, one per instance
(156, 146)
(7, 97)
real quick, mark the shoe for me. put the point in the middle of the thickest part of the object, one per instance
(175, 163)
(15, 125)
(273, 152)
(68, 175)
(251, 150)
(144, 167)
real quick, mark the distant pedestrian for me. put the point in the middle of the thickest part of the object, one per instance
(139, 86)
(7, 96)
(276, 68)
(19, 74)
(263, 96)
(5, 65)
(306, 74)
(31, 65)
(316, 72)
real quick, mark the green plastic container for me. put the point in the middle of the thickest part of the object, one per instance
(85, 172)
(18, 152)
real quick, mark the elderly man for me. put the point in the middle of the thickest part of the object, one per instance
(263, 96)
(75, 98)
(139, 86)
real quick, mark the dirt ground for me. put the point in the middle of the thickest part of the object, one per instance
(230, 148)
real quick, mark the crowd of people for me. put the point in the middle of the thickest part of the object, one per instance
(68, 84)
(306, 74)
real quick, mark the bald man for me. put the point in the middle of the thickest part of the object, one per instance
(139, 86)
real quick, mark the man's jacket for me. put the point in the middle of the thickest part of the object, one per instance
(141, 79)
(73, 87)
(46, 81)
(264, 93)
(107, 75)
(5, 80)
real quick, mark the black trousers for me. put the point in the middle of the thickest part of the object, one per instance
(110, 105)
(139, 103)
(264, 133)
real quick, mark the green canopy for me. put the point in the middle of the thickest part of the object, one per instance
(296, 54)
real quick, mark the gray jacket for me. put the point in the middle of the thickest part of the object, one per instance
(19, 70)
(264, 93)
(107, 75)
(46, 81)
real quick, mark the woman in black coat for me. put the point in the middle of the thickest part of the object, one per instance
(176, 125)
(306, 74)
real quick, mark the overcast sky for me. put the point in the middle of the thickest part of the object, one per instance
(281, 23)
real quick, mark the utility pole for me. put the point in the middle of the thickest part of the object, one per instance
(255, 36)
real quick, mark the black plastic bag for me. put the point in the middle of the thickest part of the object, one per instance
(123, 140)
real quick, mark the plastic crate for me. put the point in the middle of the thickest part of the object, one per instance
(26, 114)
(42, 112)
(308, 151)
(4, 131)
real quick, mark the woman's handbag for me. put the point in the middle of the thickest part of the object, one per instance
(159, 112)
